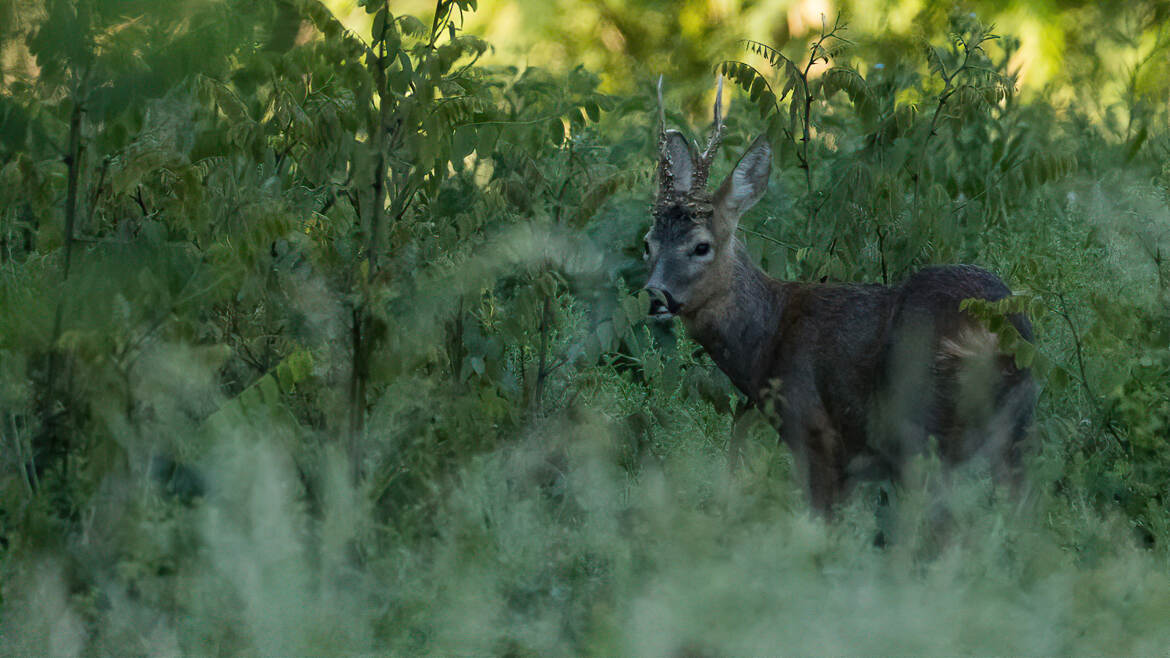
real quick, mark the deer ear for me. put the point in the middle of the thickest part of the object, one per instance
(746, 183)
(678, 160)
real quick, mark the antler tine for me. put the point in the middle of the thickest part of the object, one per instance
(665, 172)
(661, 109)
(718, 100)
(703, 166)
(717, 130)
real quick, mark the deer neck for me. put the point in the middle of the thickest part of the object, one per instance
(738, 327)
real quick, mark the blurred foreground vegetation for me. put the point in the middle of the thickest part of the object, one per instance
(315, 341)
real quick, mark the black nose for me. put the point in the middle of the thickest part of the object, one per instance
(662, 302)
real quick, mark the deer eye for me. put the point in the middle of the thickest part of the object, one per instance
(702, 249)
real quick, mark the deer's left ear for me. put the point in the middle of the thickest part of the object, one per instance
(744, 186)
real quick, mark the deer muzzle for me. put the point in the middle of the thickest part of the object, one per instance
(662, 305)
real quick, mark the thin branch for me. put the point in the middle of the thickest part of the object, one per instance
(141, 202)
(25, 467)
(769, 238)
(1094, 401)
(988, 188)
(439, 22)
(73, 162)
(816, 54)
(949, 90)
(542, 370)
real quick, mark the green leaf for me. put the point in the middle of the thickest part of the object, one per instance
(463, 143)
(1025, 354)
(757, 88)
(593, 111)
(556, 130)
(486, 138)
(379, 28)
(412, 26)
(767, 104)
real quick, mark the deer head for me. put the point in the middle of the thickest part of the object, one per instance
(691, 246)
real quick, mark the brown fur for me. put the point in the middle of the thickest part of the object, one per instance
(857, 377)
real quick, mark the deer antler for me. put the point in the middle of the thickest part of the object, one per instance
(717, 130)
(661, 111)
(703, 166)
(696, 181)
(665, 172)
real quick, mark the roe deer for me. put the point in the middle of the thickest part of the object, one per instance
(855, 377)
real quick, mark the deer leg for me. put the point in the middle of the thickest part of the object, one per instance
(826, 481)
(816, 444)
(745, 417)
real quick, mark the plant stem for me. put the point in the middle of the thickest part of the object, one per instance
(542, 358)
(804, 161)
(357, 389)
(1089, 392)
(438, 22)
(948, 90)
(815, 55)
(378, 143)
(52, 432)
(73, 162)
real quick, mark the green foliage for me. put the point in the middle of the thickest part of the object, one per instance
(318, 342)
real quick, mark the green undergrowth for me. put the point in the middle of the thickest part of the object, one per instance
(549, 545)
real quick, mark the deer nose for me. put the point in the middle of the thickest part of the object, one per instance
(662, 303)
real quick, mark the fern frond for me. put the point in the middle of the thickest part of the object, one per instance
(748, 78)
(842, 78)
(775, 58)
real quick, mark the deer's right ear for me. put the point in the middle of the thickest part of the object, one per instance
(745, 185)
(678, 163)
